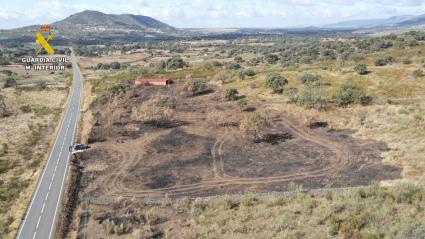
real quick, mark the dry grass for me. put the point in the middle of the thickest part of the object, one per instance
(27, 133)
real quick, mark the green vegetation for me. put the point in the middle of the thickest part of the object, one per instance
(373, 212)
(276, 82)
(195, 86)
(308, 78)
(311, 97)
(350, 94)
(361, 69)
(384, 61)
(231, 94)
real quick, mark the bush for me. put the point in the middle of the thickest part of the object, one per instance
(221, 76)
(271, 58)
(25, 109)
(418, 73)
(253, 123)
(242, 103)
(361, 69)
(242, 74)
(173, 63)
(194, 86)
(9, 82)
(308, 78)
(231, 94)
(115, 65)
(380, 62)
(311, 97)
(349, 94)
(250, 72)
(41, 85)
(233, 66)
(407, 61)
(156, 110)
(276, 82)
(384, 61)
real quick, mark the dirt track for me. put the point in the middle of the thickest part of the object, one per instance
(194, 158)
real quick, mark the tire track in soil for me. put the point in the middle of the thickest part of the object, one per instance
(221, 179)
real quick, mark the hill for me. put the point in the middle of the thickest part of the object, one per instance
(98, 21)
(407, 21)
(96, 27)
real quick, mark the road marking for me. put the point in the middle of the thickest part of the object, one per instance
(46, 166)
(66, 167)
(53, 176)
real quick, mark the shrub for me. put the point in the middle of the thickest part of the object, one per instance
(25, 109)
(242, 103)
(221, 76)
(238, 59)
(9, 82)
(403, 111)
(276, 82)
(175, 63)
(271, 58)
(349, 94)
(242, 74)
(250, 72)
(231, 94)
(194, 86)
(407, 61)
(418, 73)
(41, 85)
(253, 123)
(158, 109)
(380, 62)
(361, 69)
(308, 78)
(311, 97)
(115, 65)
(233, 66)
(384, 61)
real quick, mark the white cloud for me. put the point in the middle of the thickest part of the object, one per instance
(217, 13)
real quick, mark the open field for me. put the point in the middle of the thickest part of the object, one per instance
(192, 156)
(34, 105)
(168, 144)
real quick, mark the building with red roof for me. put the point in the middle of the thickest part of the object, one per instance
(153, 81)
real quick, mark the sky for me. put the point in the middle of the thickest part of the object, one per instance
(212, 13)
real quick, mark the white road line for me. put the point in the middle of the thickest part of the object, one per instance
(44, 171)
(63, 179)
(59, 156)
(66, 116)
(42, 209)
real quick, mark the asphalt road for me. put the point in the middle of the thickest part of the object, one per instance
(41, 215)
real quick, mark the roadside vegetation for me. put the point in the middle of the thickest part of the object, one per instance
(30, 108)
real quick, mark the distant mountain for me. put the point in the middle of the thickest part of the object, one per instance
(94, 26)
(396, 21)
(98, 21)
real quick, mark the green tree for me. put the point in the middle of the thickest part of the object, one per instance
(276, 82)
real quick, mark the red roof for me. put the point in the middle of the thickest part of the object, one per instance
(153, 80)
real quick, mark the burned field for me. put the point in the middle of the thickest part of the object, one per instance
(199, 150)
